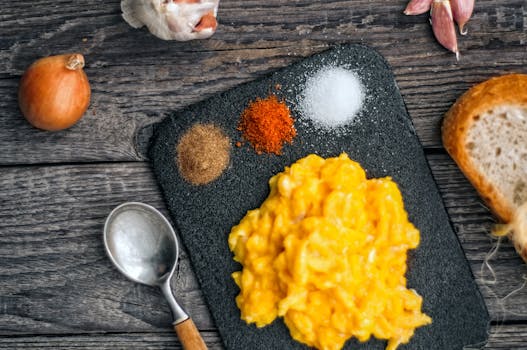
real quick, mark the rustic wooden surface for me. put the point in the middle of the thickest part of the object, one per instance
(57, 288)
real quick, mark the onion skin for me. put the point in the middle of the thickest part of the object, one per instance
(54, 92)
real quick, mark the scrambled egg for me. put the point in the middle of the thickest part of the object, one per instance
(327, 251)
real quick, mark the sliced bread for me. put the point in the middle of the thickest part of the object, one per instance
(485, 132)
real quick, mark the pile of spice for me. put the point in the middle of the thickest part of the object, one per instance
(267, 125)
(332, 97)
(203, 153)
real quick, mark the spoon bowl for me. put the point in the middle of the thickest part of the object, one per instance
(143, 246)
(141, 243)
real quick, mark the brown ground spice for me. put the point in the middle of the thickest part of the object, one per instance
(203, 153)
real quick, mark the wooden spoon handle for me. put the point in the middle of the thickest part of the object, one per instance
(189, 335)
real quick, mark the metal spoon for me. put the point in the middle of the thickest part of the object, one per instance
(142, 245)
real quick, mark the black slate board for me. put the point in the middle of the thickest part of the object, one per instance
(381, 138)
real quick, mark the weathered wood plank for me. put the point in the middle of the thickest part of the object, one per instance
(507, 337)
(501, 275)
(51, 216)
(501, 337)
(148, 341)
(137, 79)
(51, 251)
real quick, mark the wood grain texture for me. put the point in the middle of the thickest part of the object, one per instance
(136, 79)
(51, 251)
(112, 341)
(502, 337)
(55, 276)
(189, 336)
(501, 275)
(58, 289)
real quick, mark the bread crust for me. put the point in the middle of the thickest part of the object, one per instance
(504, 90)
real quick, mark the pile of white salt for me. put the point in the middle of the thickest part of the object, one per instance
(332, 97)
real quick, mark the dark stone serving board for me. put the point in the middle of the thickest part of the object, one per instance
(381, 138)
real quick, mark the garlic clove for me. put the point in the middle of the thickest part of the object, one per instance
(173, 19)
(183, 18)
(207, 22)
(443, 25)
(417, 7)
(128, 13)
(462, 11)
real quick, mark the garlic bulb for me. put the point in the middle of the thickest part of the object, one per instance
(180, 20)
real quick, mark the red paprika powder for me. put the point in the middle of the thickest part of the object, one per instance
(267, 125)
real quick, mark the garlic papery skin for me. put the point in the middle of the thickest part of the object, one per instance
(417, 7)
(180, 20)
(443, 25)
(462, 11)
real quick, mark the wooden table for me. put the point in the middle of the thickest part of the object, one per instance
(57, 287)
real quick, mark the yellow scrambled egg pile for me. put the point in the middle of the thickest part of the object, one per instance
(327, 251)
